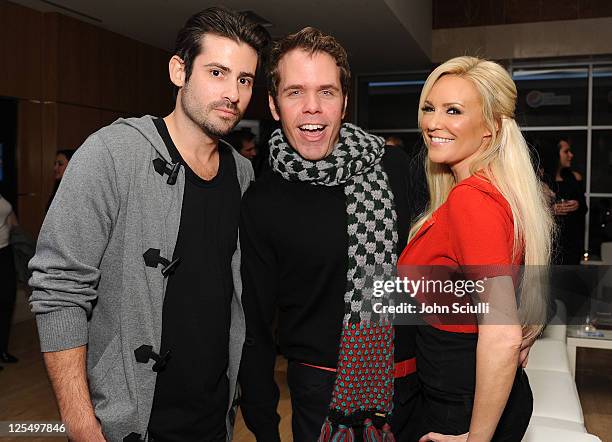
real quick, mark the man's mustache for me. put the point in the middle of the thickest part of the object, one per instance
(225, 104)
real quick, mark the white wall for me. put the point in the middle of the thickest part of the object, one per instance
(526, 40)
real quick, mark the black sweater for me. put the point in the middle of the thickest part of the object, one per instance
(570, 237)
(294, 261)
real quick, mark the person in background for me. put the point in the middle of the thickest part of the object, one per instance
(243, 140)
(394, 141)
(8, 291)
(62, 158)
(569, 202)
(486, 214)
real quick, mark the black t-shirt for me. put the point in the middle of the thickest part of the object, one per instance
(192, 392)
(294, 245)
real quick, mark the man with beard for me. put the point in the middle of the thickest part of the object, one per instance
(145, 226)
(335, 208)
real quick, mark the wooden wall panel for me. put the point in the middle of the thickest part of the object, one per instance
(105, 70)
(50, 58)
(29, 142)
(155, 91)
(122, 73)
(20, 51)
(72, 78)
(78, 62)
(29, 160)
(49, 147)
(462, 13)
(76, 123)
(43, 129)
(66, 127)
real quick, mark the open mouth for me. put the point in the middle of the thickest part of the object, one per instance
(440, 140)
(312, 133)
(312, 128)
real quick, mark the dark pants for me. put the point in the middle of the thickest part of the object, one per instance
(452, 417)
(8, 291)
(311, 391)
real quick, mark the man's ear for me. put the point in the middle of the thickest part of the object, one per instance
(176, 69)
(344, 109)
(273, 109)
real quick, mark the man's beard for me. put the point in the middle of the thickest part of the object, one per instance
(219, 130)
(202, 116)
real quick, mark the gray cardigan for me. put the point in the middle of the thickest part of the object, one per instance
(90, 282)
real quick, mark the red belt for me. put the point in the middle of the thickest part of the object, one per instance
(402, 369)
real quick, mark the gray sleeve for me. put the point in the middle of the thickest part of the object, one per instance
(244, 170)
(73, 238)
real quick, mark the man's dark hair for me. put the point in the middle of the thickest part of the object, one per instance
(310, 40)
(221, 22)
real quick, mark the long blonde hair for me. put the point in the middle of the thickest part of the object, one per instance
(506, 162)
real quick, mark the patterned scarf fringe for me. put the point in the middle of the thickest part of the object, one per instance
(387, 434)
(344, 434)
(326, 431)
(370, 433)
(347, 434)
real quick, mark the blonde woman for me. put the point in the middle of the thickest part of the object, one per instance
(486, 209)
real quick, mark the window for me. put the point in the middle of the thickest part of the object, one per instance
(389, 102)
(553, 97)
(600, 223)
(601, 162)
(602, 96)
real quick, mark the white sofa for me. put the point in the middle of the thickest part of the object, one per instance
(557, 414)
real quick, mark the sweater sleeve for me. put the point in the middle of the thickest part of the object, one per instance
(74, 235)
(260, 393)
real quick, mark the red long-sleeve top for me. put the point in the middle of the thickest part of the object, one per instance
(472, 232)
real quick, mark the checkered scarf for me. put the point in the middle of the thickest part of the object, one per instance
(363, 390)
